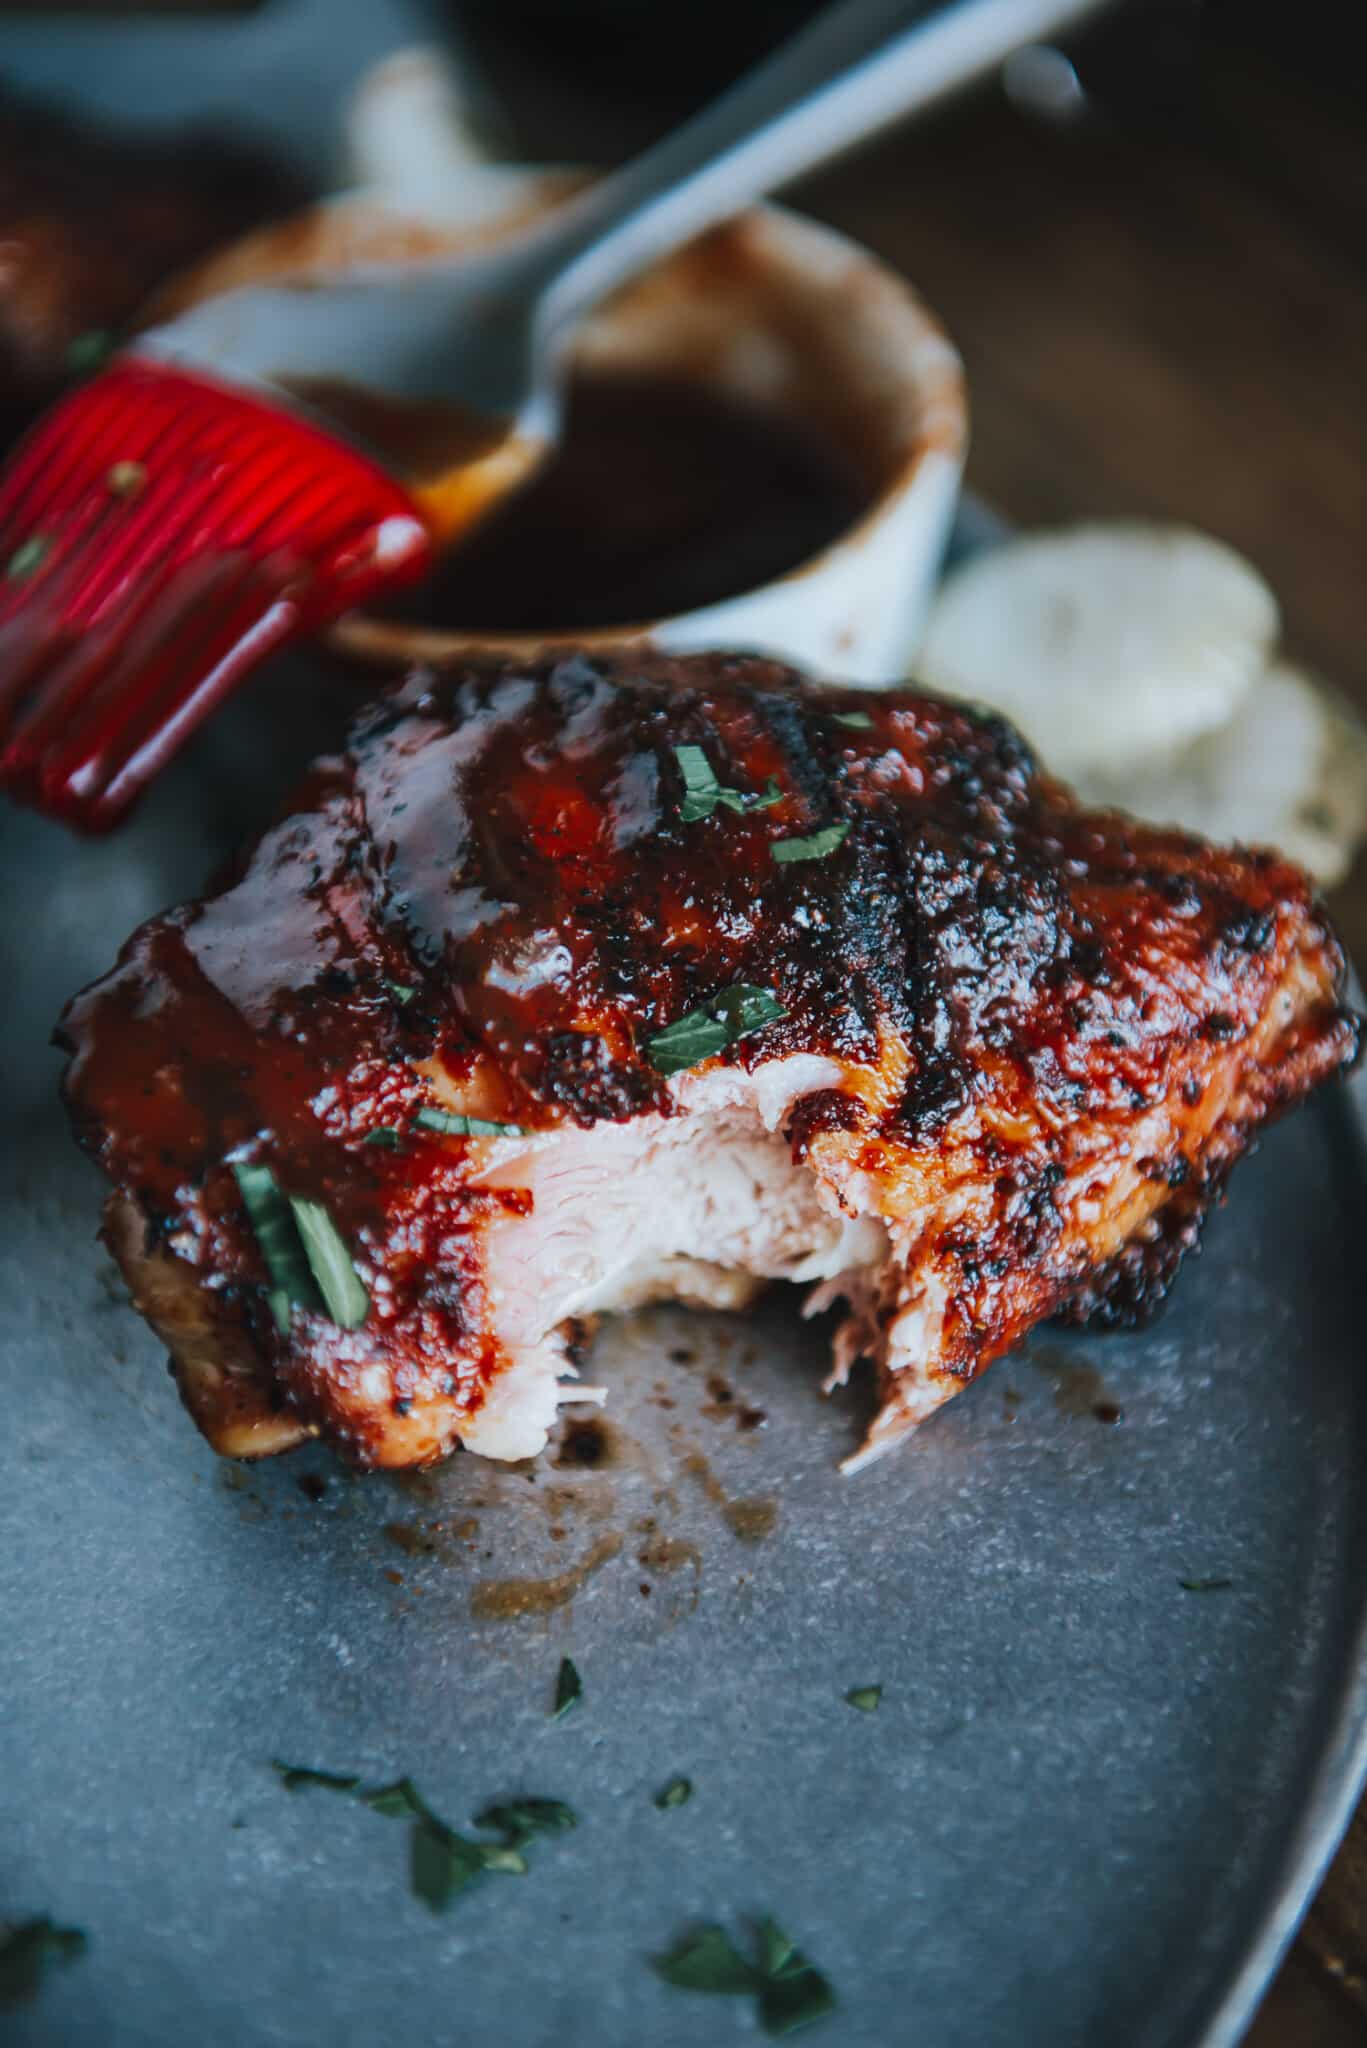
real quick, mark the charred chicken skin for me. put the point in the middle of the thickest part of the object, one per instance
(576, 984)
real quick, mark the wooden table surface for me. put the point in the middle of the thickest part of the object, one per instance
(1163, 312)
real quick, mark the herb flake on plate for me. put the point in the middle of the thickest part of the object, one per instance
(401, 991)
(339, 1283)
(399, 1801)
(442, 1863)
(294, 1777)
(706, 1961)
(518, 1820)
(738, 1012)
(865, 1697)
(703, 792)
(28, 1949)
(816, 846)
(789, 1991)
(453, 1126)
(858, 721)
(794, 1991)
(569, 1688)
(677, 1792)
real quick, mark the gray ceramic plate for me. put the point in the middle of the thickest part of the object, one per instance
(1088, 1810)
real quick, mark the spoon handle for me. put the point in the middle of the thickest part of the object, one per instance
(857, 67)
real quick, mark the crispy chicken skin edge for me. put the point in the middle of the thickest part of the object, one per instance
(226, 1383)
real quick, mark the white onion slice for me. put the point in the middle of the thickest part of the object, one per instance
(1109, 645)
(1289, 770)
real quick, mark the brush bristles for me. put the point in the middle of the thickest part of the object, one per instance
(160, 535)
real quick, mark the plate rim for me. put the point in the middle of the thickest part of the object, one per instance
(1338, 1770)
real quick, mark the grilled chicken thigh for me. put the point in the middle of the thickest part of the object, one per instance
(581, 983)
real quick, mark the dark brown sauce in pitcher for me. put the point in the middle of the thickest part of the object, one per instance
(661, 497)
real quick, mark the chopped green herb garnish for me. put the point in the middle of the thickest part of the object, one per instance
(865, 1697)
(519, 1819)
(303, 1250)
(442, 1863)
(794, 1991)
(126, 479)
(734, 1014)
(325, 1249)
(703, 792)
(677, 1792)
(294, 1777)
(569, 1688)
(26, 1951)
(400, 991)
(385, 1136)
(85, 352)
(454, 1126)
(503, 1858)
(775, 1947)
(399, 1801)
(701, 787)
(858, 721)
(816, 847)
(28, 557)
(706, 1961)
(1205, 1585)
(790, 1991)
(278, 1240)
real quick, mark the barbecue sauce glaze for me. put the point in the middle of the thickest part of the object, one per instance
(493, 886)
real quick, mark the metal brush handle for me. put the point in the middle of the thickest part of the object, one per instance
(853, 70)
